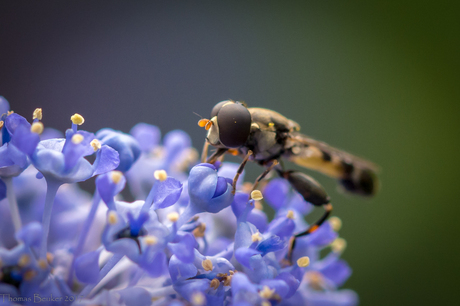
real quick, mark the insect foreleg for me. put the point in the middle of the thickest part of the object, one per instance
(204, 152)
(240, 170)
(213, 158)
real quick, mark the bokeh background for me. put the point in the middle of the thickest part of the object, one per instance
(379, 79)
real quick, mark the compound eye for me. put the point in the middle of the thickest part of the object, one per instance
(218, 106)
(234, 122)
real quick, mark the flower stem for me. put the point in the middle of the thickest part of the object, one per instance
(15, 217)
(104, 271)
(84, 234)
(51, 190)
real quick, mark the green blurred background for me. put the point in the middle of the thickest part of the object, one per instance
(379, 79)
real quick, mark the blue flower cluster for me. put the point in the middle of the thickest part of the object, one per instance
(185, 240)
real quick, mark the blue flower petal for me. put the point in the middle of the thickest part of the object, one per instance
(25, 140)
(135, 296)
(106, 160)
(147, 135)
(272, 244)
(154, 263)
(323, 236)
(87, 267)
(127, 146)
(243, 255)
(280, 286)
(180, 270)
(107, 188)
(184, 248)
(276, 193)
(167, 193)
(291, 281)
(30, 234)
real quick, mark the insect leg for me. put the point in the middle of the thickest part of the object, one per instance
(313, 193)
(262, 176)
(240, 170)
(204, 152)
(213, 158)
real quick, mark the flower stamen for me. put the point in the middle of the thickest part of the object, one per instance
(37, 114)
(77, 138)
(160, 175)
(207, 265)
(37, 128)
(77, 119)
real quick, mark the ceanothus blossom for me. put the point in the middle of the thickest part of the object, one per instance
(182, 238)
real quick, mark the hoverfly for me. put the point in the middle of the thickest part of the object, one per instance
(265, 136)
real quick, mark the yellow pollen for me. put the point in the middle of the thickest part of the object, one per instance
(199, 230)
(95, 144)
(214, 283)
(256, 237)
(315, 280)
(339, 245)
(160, 175)
(1, 124)
(29, 275)
(266, 292)
(198, 299)
(77, 138)
(112, 218)
(290, 214)
(37, 114)
(49, 257)
(150, 240)
(256, 195)
(336, 223)
(116, 176)
(77, 119)
(37, 128)
(270, 124)
(9, 112)
(266, 303)
(173, 217)
(42, 264)
(303, 261)
(24, 260)
(207, 265)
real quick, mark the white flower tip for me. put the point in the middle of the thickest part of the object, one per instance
(256, 195)
(116, 176)
(256, 237)
(24, 260)
(198, 299)
(335, 223)
(339, 245)
(303, 261)
(266, 292)
(37, 114)
(290, 214)
(207, 265)
(77, 119)
(112, 218)
(96, 144)
(77, 138)
(37, 128)
(160, 175)
(173, 217)
(150, 240)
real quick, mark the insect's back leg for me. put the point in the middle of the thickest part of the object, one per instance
(313, 193)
